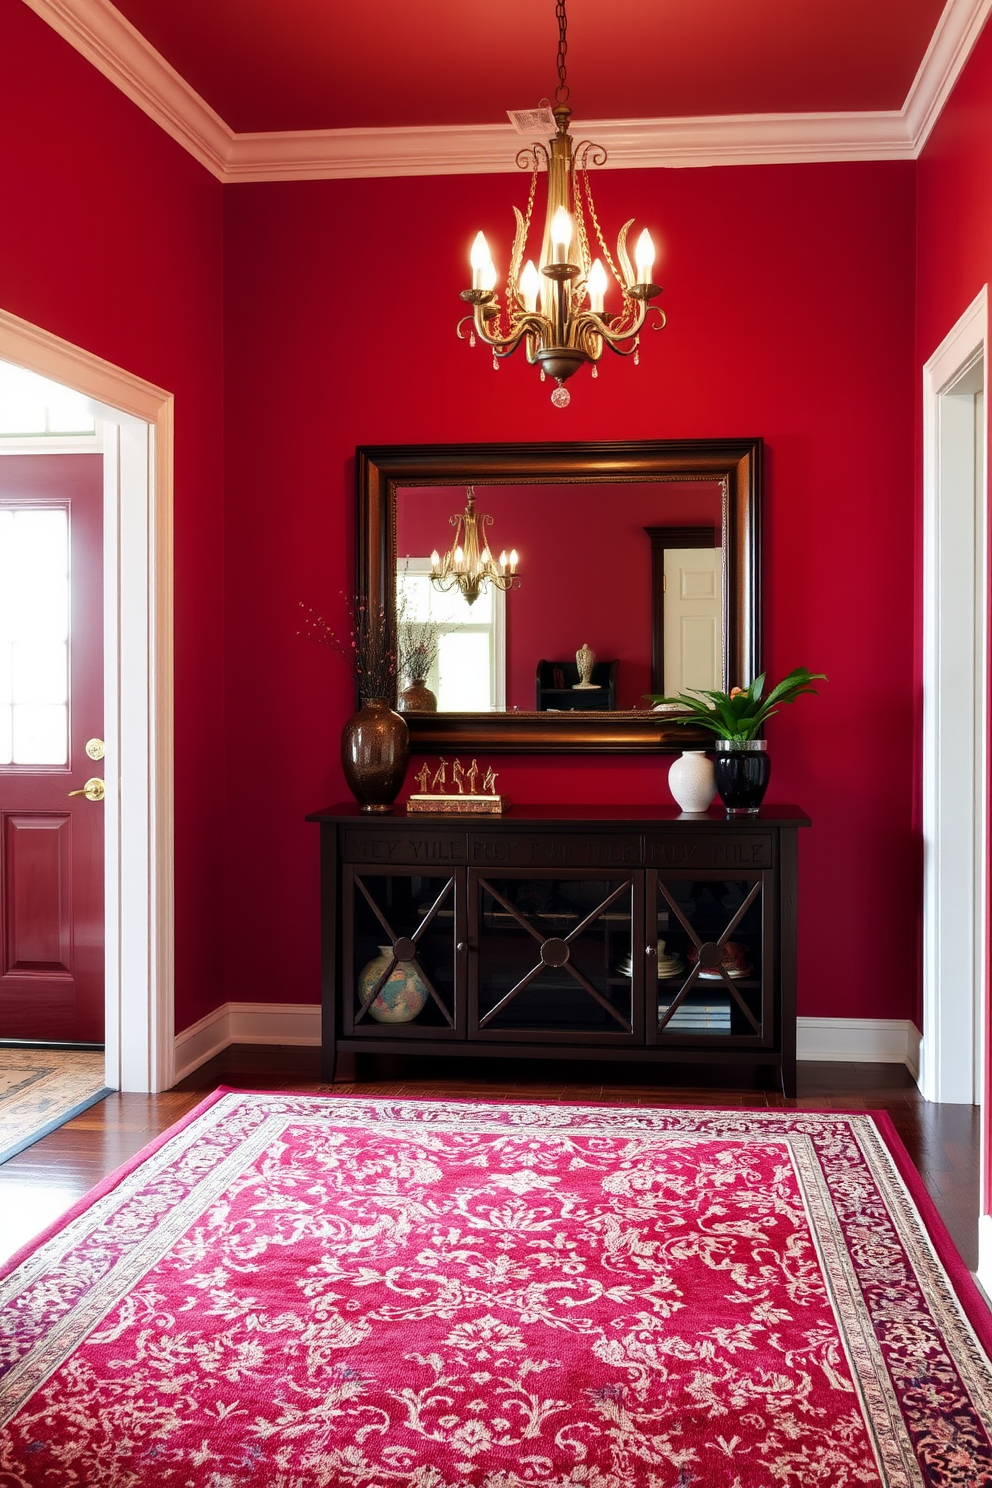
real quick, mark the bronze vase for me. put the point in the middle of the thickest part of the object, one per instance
(417, 698)
(375, 751)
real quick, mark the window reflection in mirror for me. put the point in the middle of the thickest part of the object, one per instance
(468, 661)
(588, 575)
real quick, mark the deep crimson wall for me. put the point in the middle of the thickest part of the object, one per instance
(581, 578)
(954, 238)
(790, 301)
(111, 237)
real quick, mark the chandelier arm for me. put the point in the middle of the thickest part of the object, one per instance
(527, 325)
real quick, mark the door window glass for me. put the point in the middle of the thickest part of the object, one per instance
(34, 636)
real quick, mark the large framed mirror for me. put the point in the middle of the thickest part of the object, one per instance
(600, 529)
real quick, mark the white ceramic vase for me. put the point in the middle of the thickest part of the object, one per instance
(690, 780)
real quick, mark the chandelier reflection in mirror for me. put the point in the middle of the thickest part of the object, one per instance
(468, 564)
(565, 332)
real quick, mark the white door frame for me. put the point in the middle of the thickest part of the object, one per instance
(955, 713)
(138, 684)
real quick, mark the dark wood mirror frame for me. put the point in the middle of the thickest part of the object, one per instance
(383, 469)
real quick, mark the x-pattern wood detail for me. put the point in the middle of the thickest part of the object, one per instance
(725, 935)
(569, 940)
(394, 961)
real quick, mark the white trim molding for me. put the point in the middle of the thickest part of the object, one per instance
(246, 1023)
(984, 1273)
(839, 1040)
(860, 1041)
(138, 697)
(109, 41)
(955, 711)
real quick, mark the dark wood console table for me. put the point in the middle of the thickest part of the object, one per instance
(628, 933)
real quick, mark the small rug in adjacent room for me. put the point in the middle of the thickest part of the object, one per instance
(41, 1089)
(301, 1291)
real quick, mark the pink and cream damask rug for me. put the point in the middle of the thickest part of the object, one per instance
(299, 1291)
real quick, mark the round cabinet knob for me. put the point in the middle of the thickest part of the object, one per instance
(554, 952)
(651, 950)
(461, 946)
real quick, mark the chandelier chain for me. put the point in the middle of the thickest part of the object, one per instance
(561, 92)
(583, 188)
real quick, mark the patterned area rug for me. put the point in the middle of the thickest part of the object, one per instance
(42, 1088)
(292, 1291)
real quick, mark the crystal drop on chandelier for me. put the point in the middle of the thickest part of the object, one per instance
(561, 397)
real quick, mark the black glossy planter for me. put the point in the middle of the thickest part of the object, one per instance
(741, 773)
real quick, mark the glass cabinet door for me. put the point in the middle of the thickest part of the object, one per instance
(553, 957)
(400, 953)
(708, 963)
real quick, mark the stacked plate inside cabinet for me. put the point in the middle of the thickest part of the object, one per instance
(669, 965)
(734, 963)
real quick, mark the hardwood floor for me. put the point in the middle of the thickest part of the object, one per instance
(41, 1183)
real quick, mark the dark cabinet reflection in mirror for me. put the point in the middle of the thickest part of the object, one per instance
(585, 519)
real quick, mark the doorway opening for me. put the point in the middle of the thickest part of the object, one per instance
(956, 634)
(137, 652)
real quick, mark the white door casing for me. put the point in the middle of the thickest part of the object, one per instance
(138, 677)
(955, 711)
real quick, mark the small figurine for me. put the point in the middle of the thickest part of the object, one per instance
(584, 659)
(489, 784)
(422, 776)
(440, 777)
(472, 776)
(458, 776)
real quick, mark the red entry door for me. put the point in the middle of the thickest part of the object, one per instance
(51, 706)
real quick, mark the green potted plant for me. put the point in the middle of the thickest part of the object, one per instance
(742, 767)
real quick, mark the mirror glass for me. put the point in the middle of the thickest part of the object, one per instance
(644, 553)
(586, 576)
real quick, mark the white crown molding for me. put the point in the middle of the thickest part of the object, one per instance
(958, 29)
(102, 35)
(106, 39)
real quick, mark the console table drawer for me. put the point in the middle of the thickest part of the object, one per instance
(489, 849)
(710, 850)
(430, 848)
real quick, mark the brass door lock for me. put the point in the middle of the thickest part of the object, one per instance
(93, 790)
(96, 749)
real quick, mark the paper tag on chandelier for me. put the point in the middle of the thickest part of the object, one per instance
(532, 121)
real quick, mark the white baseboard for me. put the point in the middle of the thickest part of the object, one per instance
(245, 1023)
(857, 1040)
(860, 1041)
(984, 1273)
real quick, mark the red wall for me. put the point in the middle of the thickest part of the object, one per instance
(954, 249)
(790, 296)
(110, 236)
(581, 578)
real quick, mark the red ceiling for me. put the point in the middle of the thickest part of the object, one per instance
(325, 64)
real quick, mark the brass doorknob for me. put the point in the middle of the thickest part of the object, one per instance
(93, 790)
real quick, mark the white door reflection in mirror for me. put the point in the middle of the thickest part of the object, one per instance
(693, 620)
(468, 672)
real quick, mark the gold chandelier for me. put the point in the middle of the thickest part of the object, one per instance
(565, 331)
(467, 565)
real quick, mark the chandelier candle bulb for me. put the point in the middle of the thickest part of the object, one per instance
(644, 257)
(530, 287)
(596, 285)
(479, 258)
(561, 236)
